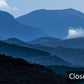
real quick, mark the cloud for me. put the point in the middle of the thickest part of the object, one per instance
(3, 3)
(75, 32)
(5, 7)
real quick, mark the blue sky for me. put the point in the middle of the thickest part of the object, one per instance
(21, 7)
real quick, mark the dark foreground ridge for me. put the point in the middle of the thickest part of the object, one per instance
(18, 71)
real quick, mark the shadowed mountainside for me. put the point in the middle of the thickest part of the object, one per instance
(18, 71)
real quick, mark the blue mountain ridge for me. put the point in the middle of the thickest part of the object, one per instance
(10, 28)
(73, 56)
(30, 54)
(54, 42)
(55, 23)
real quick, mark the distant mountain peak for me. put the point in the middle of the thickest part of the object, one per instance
(46, 39)
(14, 41)
(55, 23)
(10, 28)
(69, 9)
(50, 10)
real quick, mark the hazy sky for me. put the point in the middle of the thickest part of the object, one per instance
(20, 7)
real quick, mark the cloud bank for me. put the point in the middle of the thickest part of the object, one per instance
(75, 32)
(5, 7)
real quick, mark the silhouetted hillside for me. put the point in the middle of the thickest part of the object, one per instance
(18, 71)
(55, 23)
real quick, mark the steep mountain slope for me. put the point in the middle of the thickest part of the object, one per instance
(55, 23)
(30, 54)
(18, 71)
(9, 27)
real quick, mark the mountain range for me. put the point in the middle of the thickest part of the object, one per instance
(37, 38)
(54, 42)
(56, 23)
(10, 28)
(40, 23)
(30, 54)
(69, 55)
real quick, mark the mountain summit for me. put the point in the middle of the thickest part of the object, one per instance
(55, 23)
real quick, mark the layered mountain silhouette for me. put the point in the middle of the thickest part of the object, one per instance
(55, 23)
(14, 50)
(9, 27)
(70, 50)
(17, 42)
(54, 42)
(34, 37)
(19, 71)
(31, 54)
(73, 56)
(46, 41)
